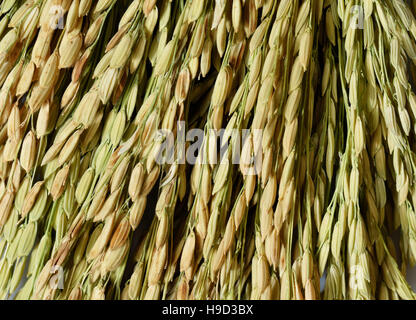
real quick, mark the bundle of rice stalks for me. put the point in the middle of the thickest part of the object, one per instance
(195, 149)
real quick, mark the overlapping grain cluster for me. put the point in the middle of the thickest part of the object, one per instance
(88, 212)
